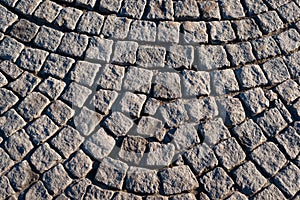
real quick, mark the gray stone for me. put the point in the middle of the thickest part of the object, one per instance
(177, 180)
(151, 105)
(138, 80)
(5, 188)
(211, 57)
(217, 183)
(161, 10)
(237, 196)
(111, 172)
(209, 10)
(94, 193)
(48, 38)
(201, 158)
(73, 44)
(248, 178)
(255, 100)
(116, 27)
(168, 32)
(283, 110)
(150, 56)
(156, 197)
(99, 145)
(3, 80)
(249, 134)
(133, 149)
(111, 77)
(52, 9)
(167, 85)
(114, 125)
(18, 145)
(185, 196)
(103, 100)
(67, 141)
(265, 48)
(289, 91)
(141, 30)
(10, 49)
(68, 17)
(37, 191)
(57, 66)
(196, 83)
(21, 176)
(150, 127)
(174, 113)
(275, 4)
(290, 12)
(180, 56)
(221, 31)
(133, 8)
(24, 30)
(44, 157)
(269, 21)
(7, 100)
(293, 64)
(76, 94)
(52, 87)
(185, 136)
(62, 197)
(231, 9)
(159, 154)
(10, 69)
(32, 59)
(224, 82)
(289, 139)
(186, 9)
(251, 76)
(247, 29)
(270, 192)
(255, 7)
(90, 22)
(25, 84)
(276, 71)
(79, 165)
(288, 40)
(295, 109)
(110, 6)
(60, 112)
(10, 122)
(231, 111)
(132, 104)
(194, 32)
(125, 52)
(240, 53)
(5, 163)
(56, 179)
(32, 106)
(99, 49)
(7, 18)
(78, 188)
(142, 180)
(126, 196)
(27, 7)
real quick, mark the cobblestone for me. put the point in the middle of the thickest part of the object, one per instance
(7, 19)
(161, 10)
(255, 100)
(288, 40)
(10, 122)
(183, 60)
(224, 82)
(60, 112)
(8, 99)
(118, 129)
(168, 32)
(276, 71)
(79, 165)
(25, 84)
(10, 69)
(78, 189)
(24, 30)
(289, 12)
(194, 32)
(90, 22)
(125, 52)
(10, 49)
(270, 192)
(247, 29)
(52, 8)
(103, 100)
(269, 21)
(196, 83)
(116, 27)
(73, 44)
(27, 7)
(167, 85)
(48, 38)
(76, 94)
(37, 191)
(68, 17)
(134, 9)
(221, 31)
(265, 48)
(138, 80)
(168, 113)
(5, 189)
(231, 9)
(150, 57)
(5, 163)
(240, 53)
(141, 30)
(159, 154)
(292, 64)
(289, 139)
(99, 49)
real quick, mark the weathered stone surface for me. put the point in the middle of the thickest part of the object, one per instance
(48, 11)
(168, 32)
(289, 139)
(103, 100)
(151, 105)
(95, 192)
(209, 10)
(150, 56)
(79, 165)
(125, 52)
(265, 48)
(7, 100)
(90, 22)
(48, 38)
(5, 162)
(141, 30)
(110, 6)
(276, 71)
(60, 112)
(24, 30)
(159, 154)
(185, 136)
(3, 80)
(161, 10)
(231, 9)
(255, 7)
(196, 83)
(201, 109)
(99, 49)
(224, 81)
(194, 32)
(247, 29)
(270, 192)
(167, 85)
(126, 196)
(27, 7)
(237, 196)
(78, 189)
(288, 40)
(111, 77)
(255, 100)
(186, 9)
(180, 56)
(290, 12)
(7, 19)
(221, 31)
(5, 188)
(138, 80)
(10, 49)
(10, 122)
(168, 111)
(134, 9)
(10, 69)
(68, 17)
(116, 27)
(288, 90)
(240, 53)
(132, 104)
(114, 125)
(52, 87)
(150, 127)
(24, 84)
(269, 21)
(76, 94)
(251, 76)
(37, 191)
(73, 44)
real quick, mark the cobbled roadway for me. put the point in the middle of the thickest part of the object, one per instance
(150, 99)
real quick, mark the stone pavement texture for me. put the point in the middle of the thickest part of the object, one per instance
(150, 99)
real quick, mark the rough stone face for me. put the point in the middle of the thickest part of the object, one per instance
(161, 10)
(288, 40)
(27, 7)
(38, 191)
(255, 100)
(103, 100)
(159, 154)
(7, 100)
(209, 10)
(231, 9)
(247, 29)
(269, 21)
(180, 56)
(73, 44)
(52, 9)
(141, 30)
(289, 139)
(48, 38)
(90, 22)
(78, 188)
(240, 53)
(114, 125)
(186, 9)
(270, 192)
(110, 6)
(255, 7)
(221, 31)
(5, 162)
(125, 52)
(196, 83)
(150, 56)
(76, 94)
(132, 104)
(116, 27)
(265, 47)
(289, 91)
(276, 71)
(168, 111)
(251, 76)
(24, 30)
(60, 112)
(52, 87)
(10, 69)
(138, 80)
(99, 49)
(224, 81)
(168, 32)
(293, 64)
(177, 180)
(134, 9)
(126, 196)
(111, 77)
(68, 17)
(151, 105)
(194, 32)
(150, 127)
(167, 85)
(8, 18)
(95, 192)
(289, 12)
(10, 122)
(237, 196)
(185, 136)
(79, 165)
(10, 49)
(5, 188)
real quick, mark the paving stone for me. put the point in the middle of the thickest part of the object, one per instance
(270, 192)
(288, 90)
(138, 80)
(150, 127)
(126, 196)
(67, 141)
(269, 21)
(24, 84)
(248, 178)
(132, 149)
(62, 197)
(217, 183)
(79, 165)
(60, 112)
(10, 3)
(237, 196)
(114, 125)
(110, 6)
(57, 66)
(276, 4)
(240, 53)
(21, 176)
(73, 44)
(48, 38)
(221, 31)
(5, 163)
(125, 52)
(132, 104)
(7, 100)
(103, 100)
(255, 100)
(184, 60)
(90, 22)
(150, 56)
(196, 83)
(283, 110)
(251, 76)
(5, 188)
(141, 30)
(276, 71)
(111, 77)
(10, 69)
(7, 18)
(32, 59)
(177, 180)
(230, 153)
(159, 154)
(265, 48)
(18, 145)
(224, 82)
(289, 12)
(52, 87)
(68, 17)
(289, 139)
(32, 106)
(111, 172)
(99, 145)
(255, 7)
(78, 188)
(156, 197)
(142, 180)
(10, 49)
(231, 111)
(99, 49)
(10, 122)
(295, 109)
(174, 113)
(185, 196)
(194, 32)
(167, 85)
(160, 10)
(249, 134)
(288, 40)
(44, 157)
(134, 9)
(37, 191)
(185, 136)
(288, 179)
(211, 57)
(247, 29)
(293, 64)
(76, 94)
(151, 105)
(184, 9)
(95, 192)
(231, 9)
(116, 27)
(86, 121)
(168, 32)
(3, 80)
(24, 30)
(56, 179)
(201, 158)
(209, 10)
(86, 3)
(52, 10)
(27, 7)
